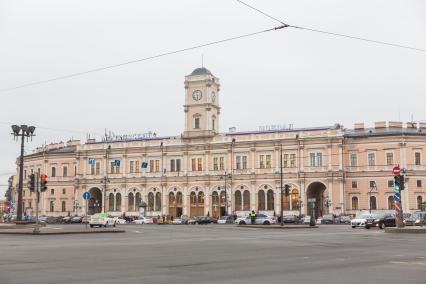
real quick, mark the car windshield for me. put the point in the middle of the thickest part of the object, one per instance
(364, 216)
(223, 217)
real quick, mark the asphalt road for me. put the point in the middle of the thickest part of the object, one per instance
(215, 254)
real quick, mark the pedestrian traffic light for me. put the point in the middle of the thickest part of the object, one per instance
(397, 183)
(32, 183)
(43, 183)
(287, 189)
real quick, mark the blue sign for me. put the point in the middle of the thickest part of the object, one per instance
(144, 165)
(117, 163)
(397, 197)
(86, 195)
(92, 161)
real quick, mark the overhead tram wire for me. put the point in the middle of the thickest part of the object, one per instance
(142, 59)
(330, 33)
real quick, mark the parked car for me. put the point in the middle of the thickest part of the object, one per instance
(319, 220)
(290, 219)
(360, 220)
(327, 219)
(85, 219)
(119, 220)
(76, 219)
(205, 220)
(191, 221)
(66, 220)
(306, 220)
(344, 219)
(225, 220)
(261, 219)
(143, 220)
(43, 219)
(381, 221)
(102, 219)
(177, 221)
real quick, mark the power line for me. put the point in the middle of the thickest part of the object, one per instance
(331, 33)
(141, 59)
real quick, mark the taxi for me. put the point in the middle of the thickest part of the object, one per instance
(102, 220)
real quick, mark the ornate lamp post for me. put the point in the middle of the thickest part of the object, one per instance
(21, 131)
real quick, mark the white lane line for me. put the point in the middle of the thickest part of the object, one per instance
(137, 232)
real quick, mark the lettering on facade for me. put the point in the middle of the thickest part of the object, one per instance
(273, 127)
(109, 137)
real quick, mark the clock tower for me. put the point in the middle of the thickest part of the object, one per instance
(201, 104)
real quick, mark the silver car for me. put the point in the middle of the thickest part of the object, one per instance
(261, 219)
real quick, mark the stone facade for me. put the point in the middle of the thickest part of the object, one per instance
(189, 174)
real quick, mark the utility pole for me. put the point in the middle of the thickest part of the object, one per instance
(106, 176)
(37, 187)
(281, 184)
(226, 198)
(21, 131)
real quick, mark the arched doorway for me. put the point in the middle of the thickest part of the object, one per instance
(172, 204)
(179, 204)
(215, 204)
(196, 204)
(316, 191)
(95, 201)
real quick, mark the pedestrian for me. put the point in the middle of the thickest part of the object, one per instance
(253, 217)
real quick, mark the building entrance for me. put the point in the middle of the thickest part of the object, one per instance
(316, 190)
(95, 201)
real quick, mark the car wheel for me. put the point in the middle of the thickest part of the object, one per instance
(382, 226)
(113, 225)
(266, 223)
(367, 227)
(353, 227)
(91, 226)
(242, 223)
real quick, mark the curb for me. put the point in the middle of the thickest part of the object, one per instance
(277, 227)
(406, 230)
(60, 233)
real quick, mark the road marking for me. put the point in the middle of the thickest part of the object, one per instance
(137, 232)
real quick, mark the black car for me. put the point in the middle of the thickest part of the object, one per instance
(381, 220)
(205, 220)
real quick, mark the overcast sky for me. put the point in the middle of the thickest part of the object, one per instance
(285, 76)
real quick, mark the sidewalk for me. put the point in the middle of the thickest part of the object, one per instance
(12, 229)
(285, 227)
(406, 230)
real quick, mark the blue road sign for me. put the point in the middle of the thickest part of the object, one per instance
(117, 163)
(92, 161)
(397, 197)
(86, 195)
(144, 165)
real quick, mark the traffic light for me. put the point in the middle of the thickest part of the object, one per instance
(287, 189)
(32, 183)
(43, 183)
(397, 183)
(401, 183)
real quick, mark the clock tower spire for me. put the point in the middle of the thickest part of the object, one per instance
(201, 104)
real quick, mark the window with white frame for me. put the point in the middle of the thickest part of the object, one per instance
(241, 162)
(419, 183)
(289, 160)
(175, 165)
(389, 159)
(315, 159)
(265, 161)
(197, 118)
(371, 159)
(353, 160)
(417, 158)
(354, 184)
(65, 171)
(218, 163)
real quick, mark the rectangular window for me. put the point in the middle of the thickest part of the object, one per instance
(268, 161)
(292, 160)
(262, 161)
(92, 169)
(215, 163)
(157, 166)
(354, 160)
(371, 159)
(193, 164)
(244, 162)
(419, 183)
(315, 159)
(172, 165)
(178, 167)
(372, 184)
(132, 167)
(238, 163)
(151, 166)
(137, 166)
(354, 184)
(417, 158)
(64, 191)
(112, 169)
(389, 159)
(285, 160)
(98, 168)
(65, 171)
(200, 164)
(390, 183)
(221, 163)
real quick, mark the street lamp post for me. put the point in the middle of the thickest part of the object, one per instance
(21, 131)
(281, 184)
(105, 179)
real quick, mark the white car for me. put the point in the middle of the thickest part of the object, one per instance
(177, 221)
(101, 220)
(144, 220)
(119, 220)
(360, 220)
(225, 220)
(261, 219)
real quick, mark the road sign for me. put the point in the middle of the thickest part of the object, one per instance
(397, 197)
(86, 195)
(396, 171)
(312, 199)
(92, 161)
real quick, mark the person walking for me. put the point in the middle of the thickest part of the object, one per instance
(253, 217)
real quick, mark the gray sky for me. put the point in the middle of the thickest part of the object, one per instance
(286, 76)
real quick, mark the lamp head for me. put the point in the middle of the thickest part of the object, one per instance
(16, 129)
(31, 130)
(24, 128)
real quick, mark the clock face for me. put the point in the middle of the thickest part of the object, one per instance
(213, 97)
(197, 95)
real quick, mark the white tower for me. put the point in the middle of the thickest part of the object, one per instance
(201, 104)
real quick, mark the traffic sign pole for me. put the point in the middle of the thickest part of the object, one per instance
(37, 187)
(86, 197)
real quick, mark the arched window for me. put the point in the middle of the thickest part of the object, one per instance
(53, 172)
(237, 200)
(214, 122)
(158, 201)
(391, 203)
(270, 200)
(222, 198)
(131, 202)
(295, 205)
(193, 199)
(172, 199)
(354, 203)
(63, 207)
(286, 200)
(118, 202)
(201, 199)
(419, 202)
(179, 199)
(52, 206)
(111, 202)
(246, 200)
(261, 200)
(373, 203)
(197, 118)
(150, 201)
(137, 200)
